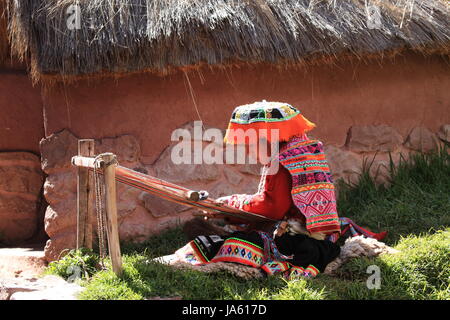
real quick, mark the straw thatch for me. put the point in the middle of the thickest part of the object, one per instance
(120, 36)
(4, 44)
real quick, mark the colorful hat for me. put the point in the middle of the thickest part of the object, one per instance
(266, 115)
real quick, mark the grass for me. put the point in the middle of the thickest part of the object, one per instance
(415, 209)
(417, 199)
(81, 263)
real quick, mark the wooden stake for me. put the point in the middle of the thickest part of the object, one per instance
(111, 213)
(85, 197)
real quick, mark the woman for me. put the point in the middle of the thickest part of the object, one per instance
(296, 188)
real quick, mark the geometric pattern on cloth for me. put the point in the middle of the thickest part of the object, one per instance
(310, 178)
(298, 272)
(197, 250)
(262, 119)
(288, 270)
(244, 252)
(319, 208)
(294, 272)
(274, 267)
(312, 184)
(240, 251)
(271, 251)
(349, 226)
(311, 271)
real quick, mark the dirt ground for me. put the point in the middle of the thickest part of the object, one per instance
(24, 262)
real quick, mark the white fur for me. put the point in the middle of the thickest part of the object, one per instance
(358, 247)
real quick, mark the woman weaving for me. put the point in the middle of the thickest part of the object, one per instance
(296, 188)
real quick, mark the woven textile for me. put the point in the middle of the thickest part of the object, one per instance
(195, 256)
(264, 117)
(295, 272)
(312, 184)
(240, 251)
(268, 259)
(260, 251)
(275, 267)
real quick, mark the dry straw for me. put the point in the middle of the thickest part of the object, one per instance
(123, 36)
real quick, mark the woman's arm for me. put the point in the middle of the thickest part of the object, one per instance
(273, 202)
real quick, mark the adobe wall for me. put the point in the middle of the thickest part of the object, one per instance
(405, 93)
(21, 177)
(21, 120)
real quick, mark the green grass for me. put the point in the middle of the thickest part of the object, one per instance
(415, 209)
(416, 201)
(81, 263)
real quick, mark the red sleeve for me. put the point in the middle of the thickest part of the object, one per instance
(276, 200)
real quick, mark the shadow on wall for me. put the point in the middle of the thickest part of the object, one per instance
(22, 205)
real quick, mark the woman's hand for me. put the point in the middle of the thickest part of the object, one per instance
(223, 200)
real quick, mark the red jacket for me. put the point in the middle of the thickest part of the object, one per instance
(274, 202)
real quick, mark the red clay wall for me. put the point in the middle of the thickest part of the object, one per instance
(408, 92)
(21, 120)
(21, 177)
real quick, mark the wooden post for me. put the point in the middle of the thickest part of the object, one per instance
(111, 213)
(85, 197)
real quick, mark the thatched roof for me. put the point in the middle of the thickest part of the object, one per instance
(4, 44)
(120, 36)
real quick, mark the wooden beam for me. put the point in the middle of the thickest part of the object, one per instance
(177, 193)
(111, 213)
(84, 198)
(80, 161)
(91, 201)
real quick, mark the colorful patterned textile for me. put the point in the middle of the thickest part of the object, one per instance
(240, 251)
(264, 117)
(294, 273)
(312, 184)
(191, 254)
(311, 271)
(200, 250)
(275, 267)
(207, 246)
(260, 250)
(271, 251)
(350, 227)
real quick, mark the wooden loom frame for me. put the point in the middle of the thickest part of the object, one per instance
(85, 199)
(84, 162)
